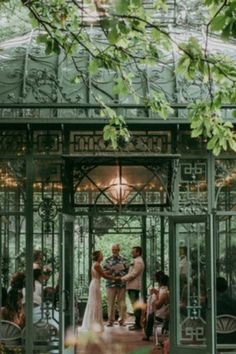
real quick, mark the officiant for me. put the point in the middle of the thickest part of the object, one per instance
(117, 266)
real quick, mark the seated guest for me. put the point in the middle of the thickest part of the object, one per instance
(37, 294)
(158, 304)
(17, 281)
(38, 259)
(225, 306)
(225, 303)
(13, 310)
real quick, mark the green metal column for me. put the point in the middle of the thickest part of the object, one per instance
(1, 259)
(162, 229)
(211, 292)
(67, 252)
(144, 255)
(29, 252)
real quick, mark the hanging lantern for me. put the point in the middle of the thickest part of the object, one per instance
(119, 190)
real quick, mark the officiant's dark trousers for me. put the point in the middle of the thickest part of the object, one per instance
(134, 299)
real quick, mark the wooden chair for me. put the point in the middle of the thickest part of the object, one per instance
(10, 333)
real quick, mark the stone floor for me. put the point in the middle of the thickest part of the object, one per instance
(116, 340)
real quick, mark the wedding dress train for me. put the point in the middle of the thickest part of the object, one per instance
(93, 320)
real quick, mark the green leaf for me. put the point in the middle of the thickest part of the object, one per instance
(196, 133)
(228, 125)
(120, 87)
(212, 143)
(93, 67)
(156, 35)
(113, 35)
(121, 6)
(226, 32)
(42, 38)
(218, 23)
(137, 3)
(232, 144)
(216, 150)
(223, 142)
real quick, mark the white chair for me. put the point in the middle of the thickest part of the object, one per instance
(160, 331)
(45, 337)
(10, 333)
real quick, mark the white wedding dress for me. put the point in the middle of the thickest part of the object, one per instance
(93, 320)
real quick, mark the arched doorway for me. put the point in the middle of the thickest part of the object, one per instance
(121, 199)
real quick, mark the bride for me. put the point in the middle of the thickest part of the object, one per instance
(93, 313)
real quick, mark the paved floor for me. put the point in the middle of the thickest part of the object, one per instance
(115, 340)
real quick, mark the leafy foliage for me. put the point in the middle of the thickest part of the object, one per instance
(131, 39)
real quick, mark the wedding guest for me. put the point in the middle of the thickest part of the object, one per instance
(38, 290)
(38, 259)
(13, 310)
(159, 303)
(225, 305)
(184, 262)
(118, 266)
(133, 282)
(17, 281)
(224, 302)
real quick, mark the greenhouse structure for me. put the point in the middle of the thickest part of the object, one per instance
(66, 191)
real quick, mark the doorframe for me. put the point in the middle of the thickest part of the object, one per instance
(66, 281)
(210, 347)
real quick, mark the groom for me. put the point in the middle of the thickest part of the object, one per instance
(133, 282)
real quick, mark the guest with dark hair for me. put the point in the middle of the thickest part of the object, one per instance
(17, 281)
(225, 306)
(225, 303)
(13, 310)
(158, 304)
(38, 259)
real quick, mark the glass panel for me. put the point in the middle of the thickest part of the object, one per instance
(191, 284)
(157, 237)
(226, 280)
(225, 186)
(47, 199)
(187, 145)
(122, 185)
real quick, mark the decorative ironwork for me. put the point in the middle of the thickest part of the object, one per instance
(193, 331)
(156, 142)
(193, 187)
(47, 210)
(13, 142)
(48, 142)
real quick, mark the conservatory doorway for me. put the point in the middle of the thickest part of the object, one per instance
(191, 262)
(120, 201)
